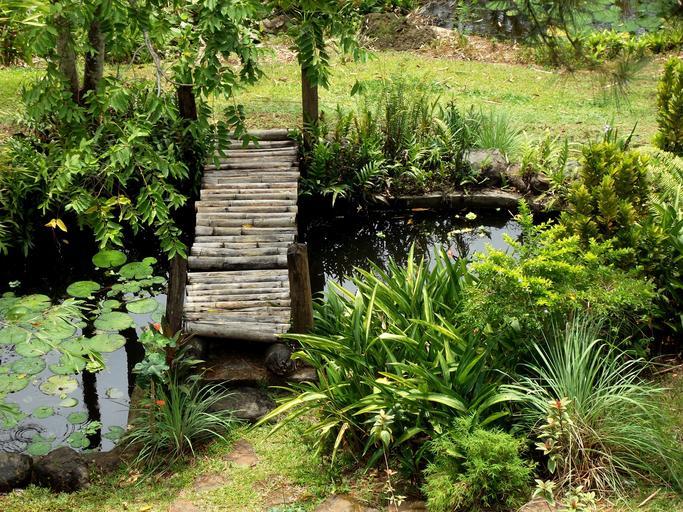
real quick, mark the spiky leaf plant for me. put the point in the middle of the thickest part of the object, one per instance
(670, 108)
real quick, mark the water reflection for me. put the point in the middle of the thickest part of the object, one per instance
(337, 245)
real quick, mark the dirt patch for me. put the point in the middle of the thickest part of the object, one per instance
(391, 31)
(451, 45)
(243, 455)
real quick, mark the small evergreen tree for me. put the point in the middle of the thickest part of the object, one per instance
(670, 108)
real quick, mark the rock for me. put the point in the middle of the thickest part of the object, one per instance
(242, 454)
(278, 359)
(15, 471)
(490, 164)
(304, 374)
(105, 462)
(439, 12)
(538, 505)
(513, 176)
(342, 504)
(62, 470)
(247, 403)
(540, 183)
(275, 24)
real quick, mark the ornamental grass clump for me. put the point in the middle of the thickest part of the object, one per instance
(600, 424)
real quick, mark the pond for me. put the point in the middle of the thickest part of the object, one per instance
(71, 411)
(336, 245)
(54, 401)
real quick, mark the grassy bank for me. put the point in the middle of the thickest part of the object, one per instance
(536, 99)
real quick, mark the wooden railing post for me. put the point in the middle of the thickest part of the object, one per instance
(300, 288)
(177, 280)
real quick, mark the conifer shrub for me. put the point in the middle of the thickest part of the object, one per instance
(611, 197)
(476, 469)
(670, 108)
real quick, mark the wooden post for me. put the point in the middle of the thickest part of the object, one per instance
(177, 279)
(300, 288)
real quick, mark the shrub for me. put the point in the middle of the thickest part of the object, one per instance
(545, 275)
(670, 108)
(392, 370)
(476, 470)
(611, 197)
(599, 421)
(404, 142)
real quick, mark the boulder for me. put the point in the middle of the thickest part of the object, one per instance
(489, 164)
(278, 359)
(15, 470)
(246, 403)
(62, 470)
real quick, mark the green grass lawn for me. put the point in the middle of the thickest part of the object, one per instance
(537, 100)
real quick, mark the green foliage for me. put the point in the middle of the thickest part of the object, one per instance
(545, 276)
(176, 419)
(597, 417)
(548, 158)
(392, 368)
(670, 108)
(476, 470)
(495, 130)
(611, 197)
(398, 140)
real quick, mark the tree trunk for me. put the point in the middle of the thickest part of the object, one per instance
(93, 69)
(67, 55)
(309, 102)
(177, 278)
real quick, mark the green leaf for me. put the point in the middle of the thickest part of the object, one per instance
(28, 365)
(142, 306)
(33, 347)
(12, 382)
(77, 418)
(109, 259)
(43, 412)
(115, 433)
(106, 342)
(68, 402)
(83, 289)
(78, 440)
(38, 448)
(13, 335)
(137, 270)
(114, 321)
(59, 385)
(35, 302)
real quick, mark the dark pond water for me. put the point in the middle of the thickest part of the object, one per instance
(338, 244)
(56, 419)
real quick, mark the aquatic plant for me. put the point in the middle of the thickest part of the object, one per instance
(78, 330)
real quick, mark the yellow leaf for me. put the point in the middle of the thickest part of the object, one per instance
(52, 224)
(146, 508)
(61, 225)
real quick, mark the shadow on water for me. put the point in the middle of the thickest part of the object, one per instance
(337, 245)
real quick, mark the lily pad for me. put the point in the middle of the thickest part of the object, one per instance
(115, 433)
(28, 365)
(142, 306)
(59, 385)
(13, 382)
(32, 347)
(56, 329)
(38, 448)
(109, 258)
(10, 415)
(114, 393)
(35, 302)
(78, 440)
(114, 321)
(110, 304)
(13, 335)
(43, 412)
(83, 289)
(137, 269)
(68, 365)
(78, 347)
(106, 342)
(68, 402)
(77, 418)
(123, 288)
(158, 316)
